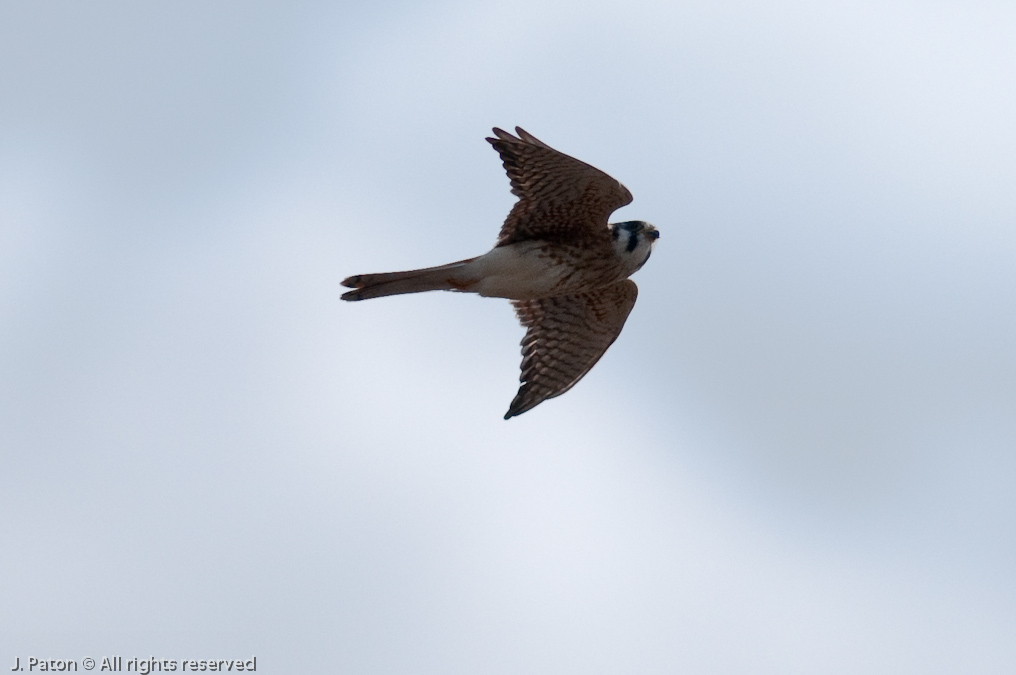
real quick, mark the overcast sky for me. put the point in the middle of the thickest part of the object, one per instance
(799, 456)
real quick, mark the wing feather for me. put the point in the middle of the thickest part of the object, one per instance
(565, 336)
(560, 197)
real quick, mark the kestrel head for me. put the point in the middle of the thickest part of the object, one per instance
(633, 242)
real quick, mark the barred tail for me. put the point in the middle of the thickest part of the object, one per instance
(443, 278)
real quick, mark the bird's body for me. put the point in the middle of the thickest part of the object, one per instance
(521, 271)
(565, 270)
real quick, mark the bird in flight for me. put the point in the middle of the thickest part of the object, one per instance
(564, 268)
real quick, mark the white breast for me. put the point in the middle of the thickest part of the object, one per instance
(519, 271)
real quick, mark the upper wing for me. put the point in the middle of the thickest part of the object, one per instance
(565, 337)
(560, 198)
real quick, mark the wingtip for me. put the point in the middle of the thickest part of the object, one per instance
(514, 409)
(520, 405)
(527, 137)
(518, 409)
(501, 135)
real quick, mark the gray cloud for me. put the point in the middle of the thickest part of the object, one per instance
(797, 458)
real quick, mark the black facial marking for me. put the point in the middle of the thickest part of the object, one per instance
(633, 241)
(617, 231)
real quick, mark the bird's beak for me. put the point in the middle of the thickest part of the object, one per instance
(653, 234)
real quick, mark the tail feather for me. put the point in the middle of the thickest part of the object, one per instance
(443, 278)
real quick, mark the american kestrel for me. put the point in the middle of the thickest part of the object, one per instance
(563, 267)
